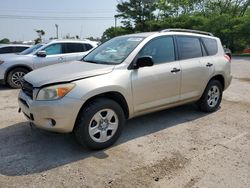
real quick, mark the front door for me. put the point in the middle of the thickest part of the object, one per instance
(159, 84)
(54, 55)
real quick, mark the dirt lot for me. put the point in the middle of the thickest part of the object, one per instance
(179, 147)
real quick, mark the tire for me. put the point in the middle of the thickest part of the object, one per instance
(211, 98)
(93, 126)
(14, 76)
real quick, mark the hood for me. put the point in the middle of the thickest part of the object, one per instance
(66, 72)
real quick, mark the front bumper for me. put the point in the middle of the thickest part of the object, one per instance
(2, 73)
(57, 115)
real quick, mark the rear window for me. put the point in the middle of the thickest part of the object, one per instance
(211, 46)
(189, 47)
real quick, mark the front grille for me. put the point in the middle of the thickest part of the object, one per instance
(27, 88)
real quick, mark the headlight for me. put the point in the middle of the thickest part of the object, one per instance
(54, 92)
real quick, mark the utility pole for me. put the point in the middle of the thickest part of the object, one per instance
(116, 16)
(56, 31)
(116, 21)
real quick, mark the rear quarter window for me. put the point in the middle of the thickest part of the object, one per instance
(6, 50)
(20, 48)
(211, 45)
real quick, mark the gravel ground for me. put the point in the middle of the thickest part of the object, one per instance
(179, 147)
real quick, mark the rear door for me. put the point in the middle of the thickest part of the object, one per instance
(193, 62)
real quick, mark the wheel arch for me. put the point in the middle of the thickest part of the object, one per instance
(220, 78)
(113, 95)
(14, 67)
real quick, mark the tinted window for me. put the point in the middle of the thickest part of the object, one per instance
(5, 50)
(88, 47)
(20, 48)
(161, 50)
(189, 47)
(53, 49)
(211, 46)
(75, 47)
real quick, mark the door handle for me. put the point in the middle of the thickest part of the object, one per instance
(61, 58)
(209, 64)
(174, 70)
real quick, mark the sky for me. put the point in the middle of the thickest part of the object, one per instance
(20, 18)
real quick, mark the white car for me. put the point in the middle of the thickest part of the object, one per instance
(13, 48)
(14, 67)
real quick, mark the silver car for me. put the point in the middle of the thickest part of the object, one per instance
(13, 48)
(14, 67)
(123, 78)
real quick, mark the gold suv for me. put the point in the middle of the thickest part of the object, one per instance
(125, 77)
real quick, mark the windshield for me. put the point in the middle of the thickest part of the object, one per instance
(114, 51)
(31, 49)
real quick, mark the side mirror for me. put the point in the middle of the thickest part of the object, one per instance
(41, 54)
(145, 61)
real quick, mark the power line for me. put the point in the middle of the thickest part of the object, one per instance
(22, 17)
(58, 12)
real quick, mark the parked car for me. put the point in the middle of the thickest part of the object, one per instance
(14, 67)
(13, 48)
(123, 78)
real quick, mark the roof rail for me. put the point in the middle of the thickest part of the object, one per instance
(187, 30)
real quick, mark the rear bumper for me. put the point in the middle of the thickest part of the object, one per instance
(56, 116)
(228, 81)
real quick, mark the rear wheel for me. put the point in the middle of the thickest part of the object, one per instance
(14, 77)
(211, 98)
(99, 124)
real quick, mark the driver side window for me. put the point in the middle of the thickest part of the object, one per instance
(160, 49)
(53, 49)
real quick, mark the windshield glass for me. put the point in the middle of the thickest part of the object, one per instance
(31, 49)
(114, 51)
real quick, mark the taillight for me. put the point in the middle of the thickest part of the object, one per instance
(227, 58)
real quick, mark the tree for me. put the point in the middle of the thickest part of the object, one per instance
(113, 32)
(227, 19)
(40, 33)
(5, 41)
(137, 13)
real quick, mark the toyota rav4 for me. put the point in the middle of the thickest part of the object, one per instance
(125, 77)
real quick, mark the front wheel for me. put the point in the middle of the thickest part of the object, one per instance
(99, 124)
(211, 98)
(15, 76)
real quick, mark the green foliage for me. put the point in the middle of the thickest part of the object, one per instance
(40, 33)
(5, 41)
(113, 32)
(227, 19)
